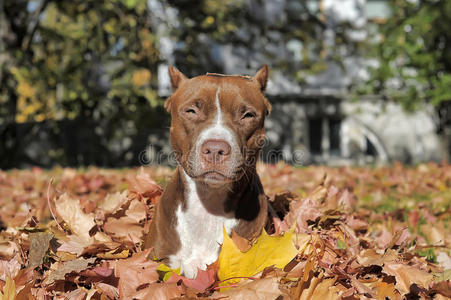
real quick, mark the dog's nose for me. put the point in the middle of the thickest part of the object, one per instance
(215, 151)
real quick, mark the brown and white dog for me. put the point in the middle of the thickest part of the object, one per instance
(217, 130)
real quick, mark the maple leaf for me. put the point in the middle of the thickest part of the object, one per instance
(144, 185)
(408, 275)
(9, 268)
(135, 271)
(70, 211)
(112, 202)
(158, 291)
(266, 251)
(203, 280)
(266, 288)
(320, 289)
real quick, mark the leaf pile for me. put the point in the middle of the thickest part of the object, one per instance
(355, 233)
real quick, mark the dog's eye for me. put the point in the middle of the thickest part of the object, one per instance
(248, 115)
(190, 111)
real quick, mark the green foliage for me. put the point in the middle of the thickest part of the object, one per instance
(82, 58)
(413, 51)
(86, 63)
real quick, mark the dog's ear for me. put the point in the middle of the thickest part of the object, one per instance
(261, 78)
(177, 77)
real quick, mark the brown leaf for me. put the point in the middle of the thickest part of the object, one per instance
(110, 291)
(443, 288)
(142, 184)
(9, 268)
(407, 275)
(157, 291)
(112, 202)
(266, 288)
(203, 280)
(124, 229)
(70, 211)
(320, 289)
(370, 257)
(39, 244)
(136, 211)
(241, 243)
(59, 270)
(134, 272)
(387, 290)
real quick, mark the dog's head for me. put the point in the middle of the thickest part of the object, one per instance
(217, 128)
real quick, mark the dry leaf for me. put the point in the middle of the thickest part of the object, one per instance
(144, 185)
(59, 270)
(9, 268)
(39, 244)
(320, 289)
(113, 254)
(203, 280)
(159, 291)
(266, 288)
(112, 202)
(124, 229)
(407, 275)
(135, 271)
(70, 211)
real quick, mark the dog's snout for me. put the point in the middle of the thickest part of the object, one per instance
(215, 151)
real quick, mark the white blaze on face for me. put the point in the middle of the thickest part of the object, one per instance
(218, 130)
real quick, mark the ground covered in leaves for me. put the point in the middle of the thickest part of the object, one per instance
(345, 233)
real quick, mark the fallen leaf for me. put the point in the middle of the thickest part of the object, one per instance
(266, 251)
(110, 291)
(124, 229)
(387, 290)
(112, 202)
(266, 288)
(443, 288)
(39, 244)
(9, 268)
(135, 271)
(158, 291)
(203, 280)
(70, 211)
(320, 289)
(8, 250)
(144, 185)
(59, 270)
(370, 257)
(113, 254)
(408, 275)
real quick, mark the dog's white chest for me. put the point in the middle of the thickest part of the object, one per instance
(201, 235)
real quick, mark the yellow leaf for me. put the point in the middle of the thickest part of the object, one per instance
(140, 77)
(9, 290)
(25, 89)
(267, 251)
(167, 272)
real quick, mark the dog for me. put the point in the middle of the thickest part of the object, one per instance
(217, 132)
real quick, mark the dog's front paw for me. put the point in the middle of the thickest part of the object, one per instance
(190, 269)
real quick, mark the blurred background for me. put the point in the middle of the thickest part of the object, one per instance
(357, 82)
